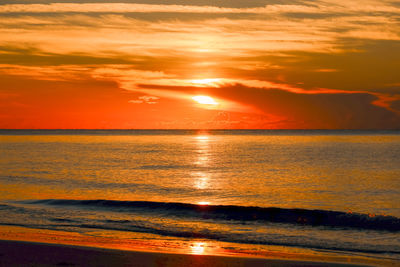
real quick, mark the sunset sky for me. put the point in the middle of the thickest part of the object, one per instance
(270, 64)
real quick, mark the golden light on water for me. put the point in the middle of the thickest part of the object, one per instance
(202, 137)
(197, 248)
(201, 178)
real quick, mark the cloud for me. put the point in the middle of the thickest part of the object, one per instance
(53, 73)
(302, 59)
(148, 98)
(151, 100)
(299, 107)
(136, 101)
(327, 6)
(218, 3)
(96, 28)
(128, 7)
(323, 109)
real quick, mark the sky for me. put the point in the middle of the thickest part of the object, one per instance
(200, 64)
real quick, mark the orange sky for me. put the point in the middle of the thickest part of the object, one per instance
(331, 64)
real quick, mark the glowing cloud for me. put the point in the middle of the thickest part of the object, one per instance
(206, 82)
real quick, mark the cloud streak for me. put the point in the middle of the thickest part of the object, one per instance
(333, 6)
(312, 63)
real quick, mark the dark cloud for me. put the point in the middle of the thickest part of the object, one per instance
(144, 16)
(395, 105)
(218, 3)
(363, 65)
(318, 111)
(348, 111)
(307, 15)
(35, 57)
(187, 16)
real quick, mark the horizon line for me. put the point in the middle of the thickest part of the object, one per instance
(178, 129)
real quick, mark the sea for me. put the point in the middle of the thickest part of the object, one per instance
(321, 191)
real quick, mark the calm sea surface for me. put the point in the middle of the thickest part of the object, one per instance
(335, 191)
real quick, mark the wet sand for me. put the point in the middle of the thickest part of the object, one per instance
(21, 253)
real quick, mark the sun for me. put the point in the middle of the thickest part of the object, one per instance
(205, 100)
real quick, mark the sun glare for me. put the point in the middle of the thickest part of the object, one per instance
(197, 248)
(205, 100)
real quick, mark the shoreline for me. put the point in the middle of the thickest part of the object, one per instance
(58, 248)
(26, 253)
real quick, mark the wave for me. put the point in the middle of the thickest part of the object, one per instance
(201, 233)
(326, 218)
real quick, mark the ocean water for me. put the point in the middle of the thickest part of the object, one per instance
(332, 191)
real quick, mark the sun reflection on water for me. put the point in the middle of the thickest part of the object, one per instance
(201, 160)
(197, 248)
(201, 180)
(200, 177)
(202, 138)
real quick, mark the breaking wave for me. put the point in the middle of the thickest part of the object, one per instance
(326, 218)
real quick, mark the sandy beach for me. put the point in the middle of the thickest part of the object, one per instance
(20, 253)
